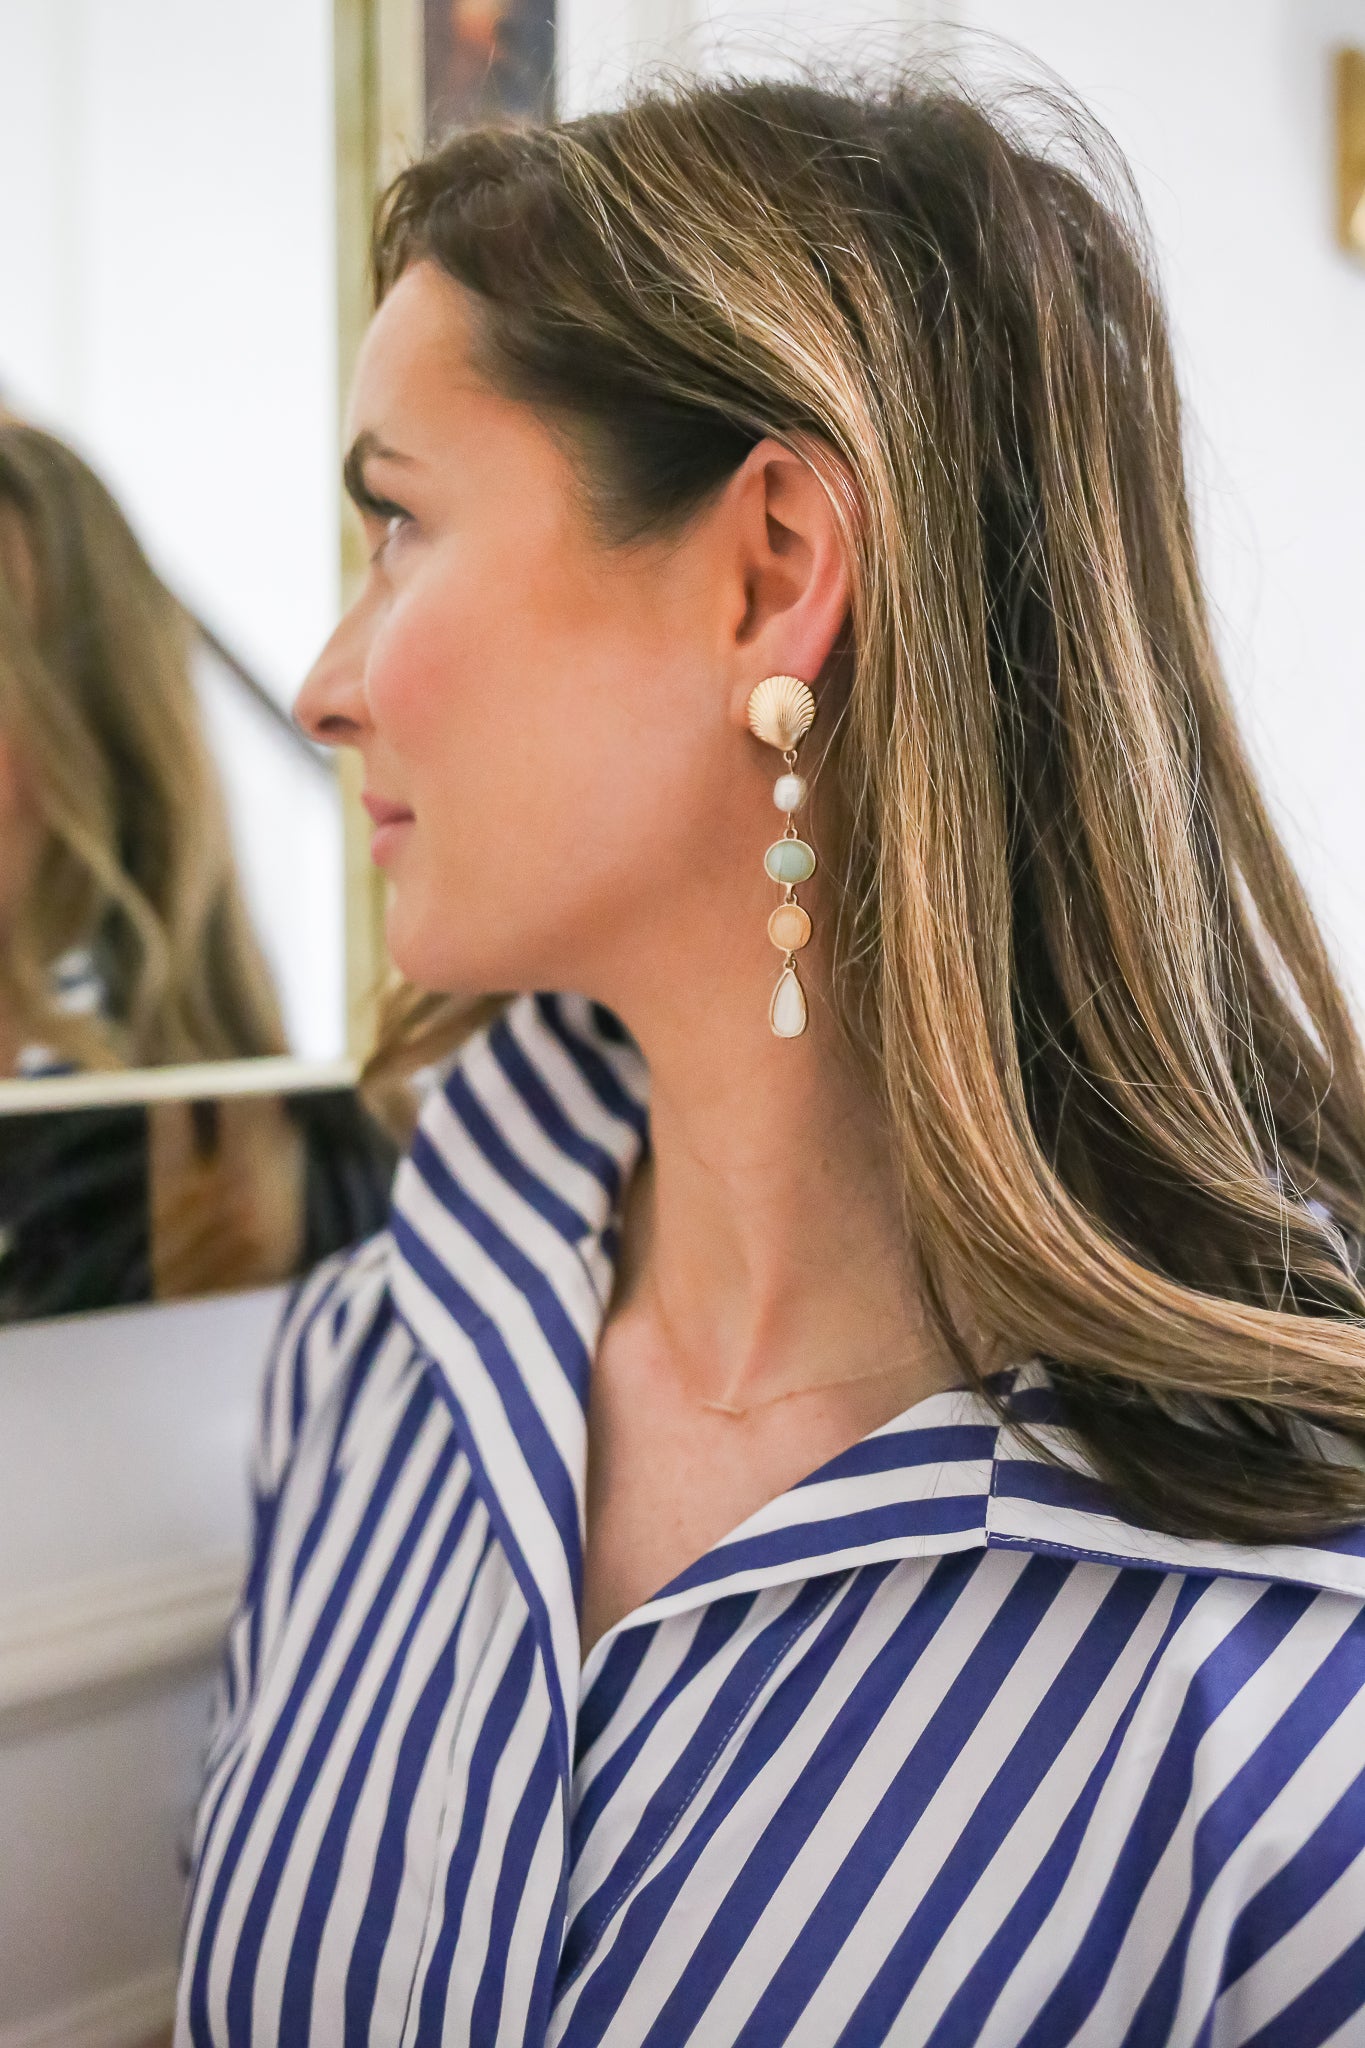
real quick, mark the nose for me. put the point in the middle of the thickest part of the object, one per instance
(332, 707)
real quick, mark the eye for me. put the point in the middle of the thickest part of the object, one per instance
(391, 519)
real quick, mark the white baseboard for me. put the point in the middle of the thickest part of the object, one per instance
(73, 1648)
(124, 2017)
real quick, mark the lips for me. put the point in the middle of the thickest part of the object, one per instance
(383, 812)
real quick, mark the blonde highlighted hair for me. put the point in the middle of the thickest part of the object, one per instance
(97, 705)
(1071, 956)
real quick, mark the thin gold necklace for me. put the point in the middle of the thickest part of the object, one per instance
(737, 1411)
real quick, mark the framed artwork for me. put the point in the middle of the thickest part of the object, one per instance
(487, 60)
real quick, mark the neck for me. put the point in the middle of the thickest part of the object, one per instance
(763, 1248)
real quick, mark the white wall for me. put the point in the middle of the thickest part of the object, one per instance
(1224, 109)
(602, 43)
(123, 1512)
(167, 303)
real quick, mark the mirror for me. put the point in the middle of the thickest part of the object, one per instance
(178, 1014)
(169, 325)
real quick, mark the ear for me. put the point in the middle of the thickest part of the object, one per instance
(787, 572)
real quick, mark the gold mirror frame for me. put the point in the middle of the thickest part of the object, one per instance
(378, 96)
(1350, 82)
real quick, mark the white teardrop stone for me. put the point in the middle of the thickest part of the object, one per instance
(787, 1012)
(789, 793)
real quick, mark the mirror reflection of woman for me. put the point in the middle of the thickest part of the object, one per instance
(124, 939)
(854, 1536)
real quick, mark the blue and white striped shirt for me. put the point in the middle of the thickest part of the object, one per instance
(935, 1749)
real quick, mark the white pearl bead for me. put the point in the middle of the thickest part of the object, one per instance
(789, 792)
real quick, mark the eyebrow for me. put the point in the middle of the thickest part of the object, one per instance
(367, 447)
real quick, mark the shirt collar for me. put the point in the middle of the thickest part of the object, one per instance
(505, 1224)
(1045, 1496)
(505, 1217)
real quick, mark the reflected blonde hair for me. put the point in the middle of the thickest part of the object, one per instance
(98, 704)
(1071, 956)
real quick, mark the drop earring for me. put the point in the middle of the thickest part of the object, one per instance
(781, 712)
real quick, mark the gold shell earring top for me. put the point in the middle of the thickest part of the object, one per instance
(781, 710)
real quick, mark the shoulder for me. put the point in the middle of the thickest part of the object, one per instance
(1045, 1496)
(1254, 1632)
(1244, 1693)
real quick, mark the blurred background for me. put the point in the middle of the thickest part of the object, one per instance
(182, 187)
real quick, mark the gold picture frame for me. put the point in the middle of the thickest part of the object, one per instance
(1350, 97)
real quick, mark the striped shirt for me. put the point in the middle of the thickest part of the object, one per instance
(935, 1749)
(76, 988)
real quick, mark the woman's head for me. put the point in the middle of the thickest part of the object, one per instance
(559, 717)
(108, 794)
(868, 387)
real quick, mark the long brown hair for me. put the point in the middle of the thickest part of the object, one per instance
(97, 701)
(1071, 955)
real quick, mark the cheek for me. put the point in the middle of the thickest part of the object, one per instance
(413, 682)
(497, 688)
(483, 720)
(551, 734)
(453, 668)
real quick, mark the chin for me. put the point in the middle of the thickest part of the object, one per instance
(436, 950)
(419, 949)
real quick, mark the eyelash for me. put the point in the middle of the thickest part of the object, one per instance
(393, 517)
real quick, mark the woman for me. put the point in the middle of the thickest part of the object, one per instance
(828, 1532)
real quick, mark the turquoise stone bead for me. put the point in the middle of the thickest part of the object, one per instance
(790, 860)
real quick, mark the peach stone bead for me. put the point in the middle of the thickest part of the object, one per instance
(789, 927)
